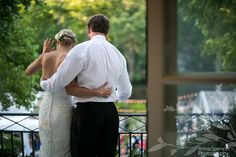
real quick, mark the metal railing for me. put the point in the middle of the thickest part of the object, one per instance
(19, 135)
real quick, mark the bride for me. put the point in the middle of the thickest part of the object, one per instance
(55, 110)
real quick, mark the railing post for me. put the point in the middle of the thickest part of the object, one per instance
(130, 144)
(141, 145)
(12, 142)
(22, 144)
(33, 144)
(1, 141)
(119, 145)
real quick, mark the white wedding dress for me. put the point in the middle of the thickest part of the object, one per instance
(55, 115)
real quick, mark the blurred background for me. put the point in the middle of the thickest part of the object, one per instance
(28, 23)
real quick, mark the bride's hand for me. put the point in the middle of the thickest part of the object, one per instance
(104, 91)
(47, 45)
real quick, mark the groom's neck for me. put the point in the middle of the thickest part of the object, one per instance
(92, 34)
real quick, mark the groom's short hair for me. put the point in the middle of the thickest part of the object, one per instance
(99, 23)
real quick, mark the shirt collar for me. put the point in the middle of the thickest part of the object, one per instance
(99, 37)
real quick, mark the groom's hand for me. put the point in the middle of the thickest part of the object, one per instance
(104, 91)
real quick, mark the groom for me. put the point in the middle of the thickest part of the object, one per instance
(95, 120)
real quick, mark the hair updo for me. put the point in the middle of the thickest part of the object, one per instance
(66, 37)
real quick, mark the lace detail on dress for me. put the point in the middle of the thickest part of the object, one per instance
(54, 124)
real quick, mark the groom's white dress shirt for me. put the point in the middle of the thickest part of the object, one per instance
(93, 62)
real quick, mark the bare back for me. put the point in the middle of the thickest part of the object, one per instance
(51, 62)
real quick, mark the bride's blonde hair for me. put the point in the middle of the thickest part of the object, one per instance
(66, 37)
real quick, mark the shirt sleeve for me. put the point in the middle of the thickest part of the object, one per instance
(66, 72)
(124, 87)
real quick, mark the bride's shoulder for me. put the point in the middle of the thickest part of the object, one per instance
(49, 55)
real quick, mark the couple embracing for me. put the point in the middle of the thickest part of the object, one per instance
(95, 74)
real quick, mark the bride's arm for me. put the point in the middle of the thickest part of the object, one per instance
(34, 66)
(75, 90)
(37, 63)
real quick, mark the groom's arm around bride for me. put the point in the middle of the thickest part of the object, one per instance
(94, 62)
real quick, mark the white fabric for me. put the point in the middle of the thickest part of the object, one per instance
(94, 62)
(55, 113)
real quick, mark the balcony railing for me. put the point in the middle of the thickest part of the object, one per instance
(19, 135)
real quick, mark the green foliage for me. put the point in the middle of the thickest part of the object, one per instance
(16, 53)
(9, 12)
(131, 106)
(128, 34)
(216, 20)
(190, 45)
(7, 141)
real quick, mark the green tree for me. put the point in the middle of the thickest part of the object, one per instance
(128, 33)
(217, 20)
(15, 43)
(190, 43)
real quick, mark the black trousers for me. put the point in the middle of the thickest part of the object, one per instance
(94, 131)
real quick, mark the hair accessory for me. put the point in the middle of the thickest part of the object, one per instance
(65, 32)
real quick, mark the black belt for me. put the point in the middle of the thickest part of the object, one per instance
(89, 106)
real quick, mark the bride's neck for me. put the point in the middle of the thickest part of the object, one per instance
(64, 48)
